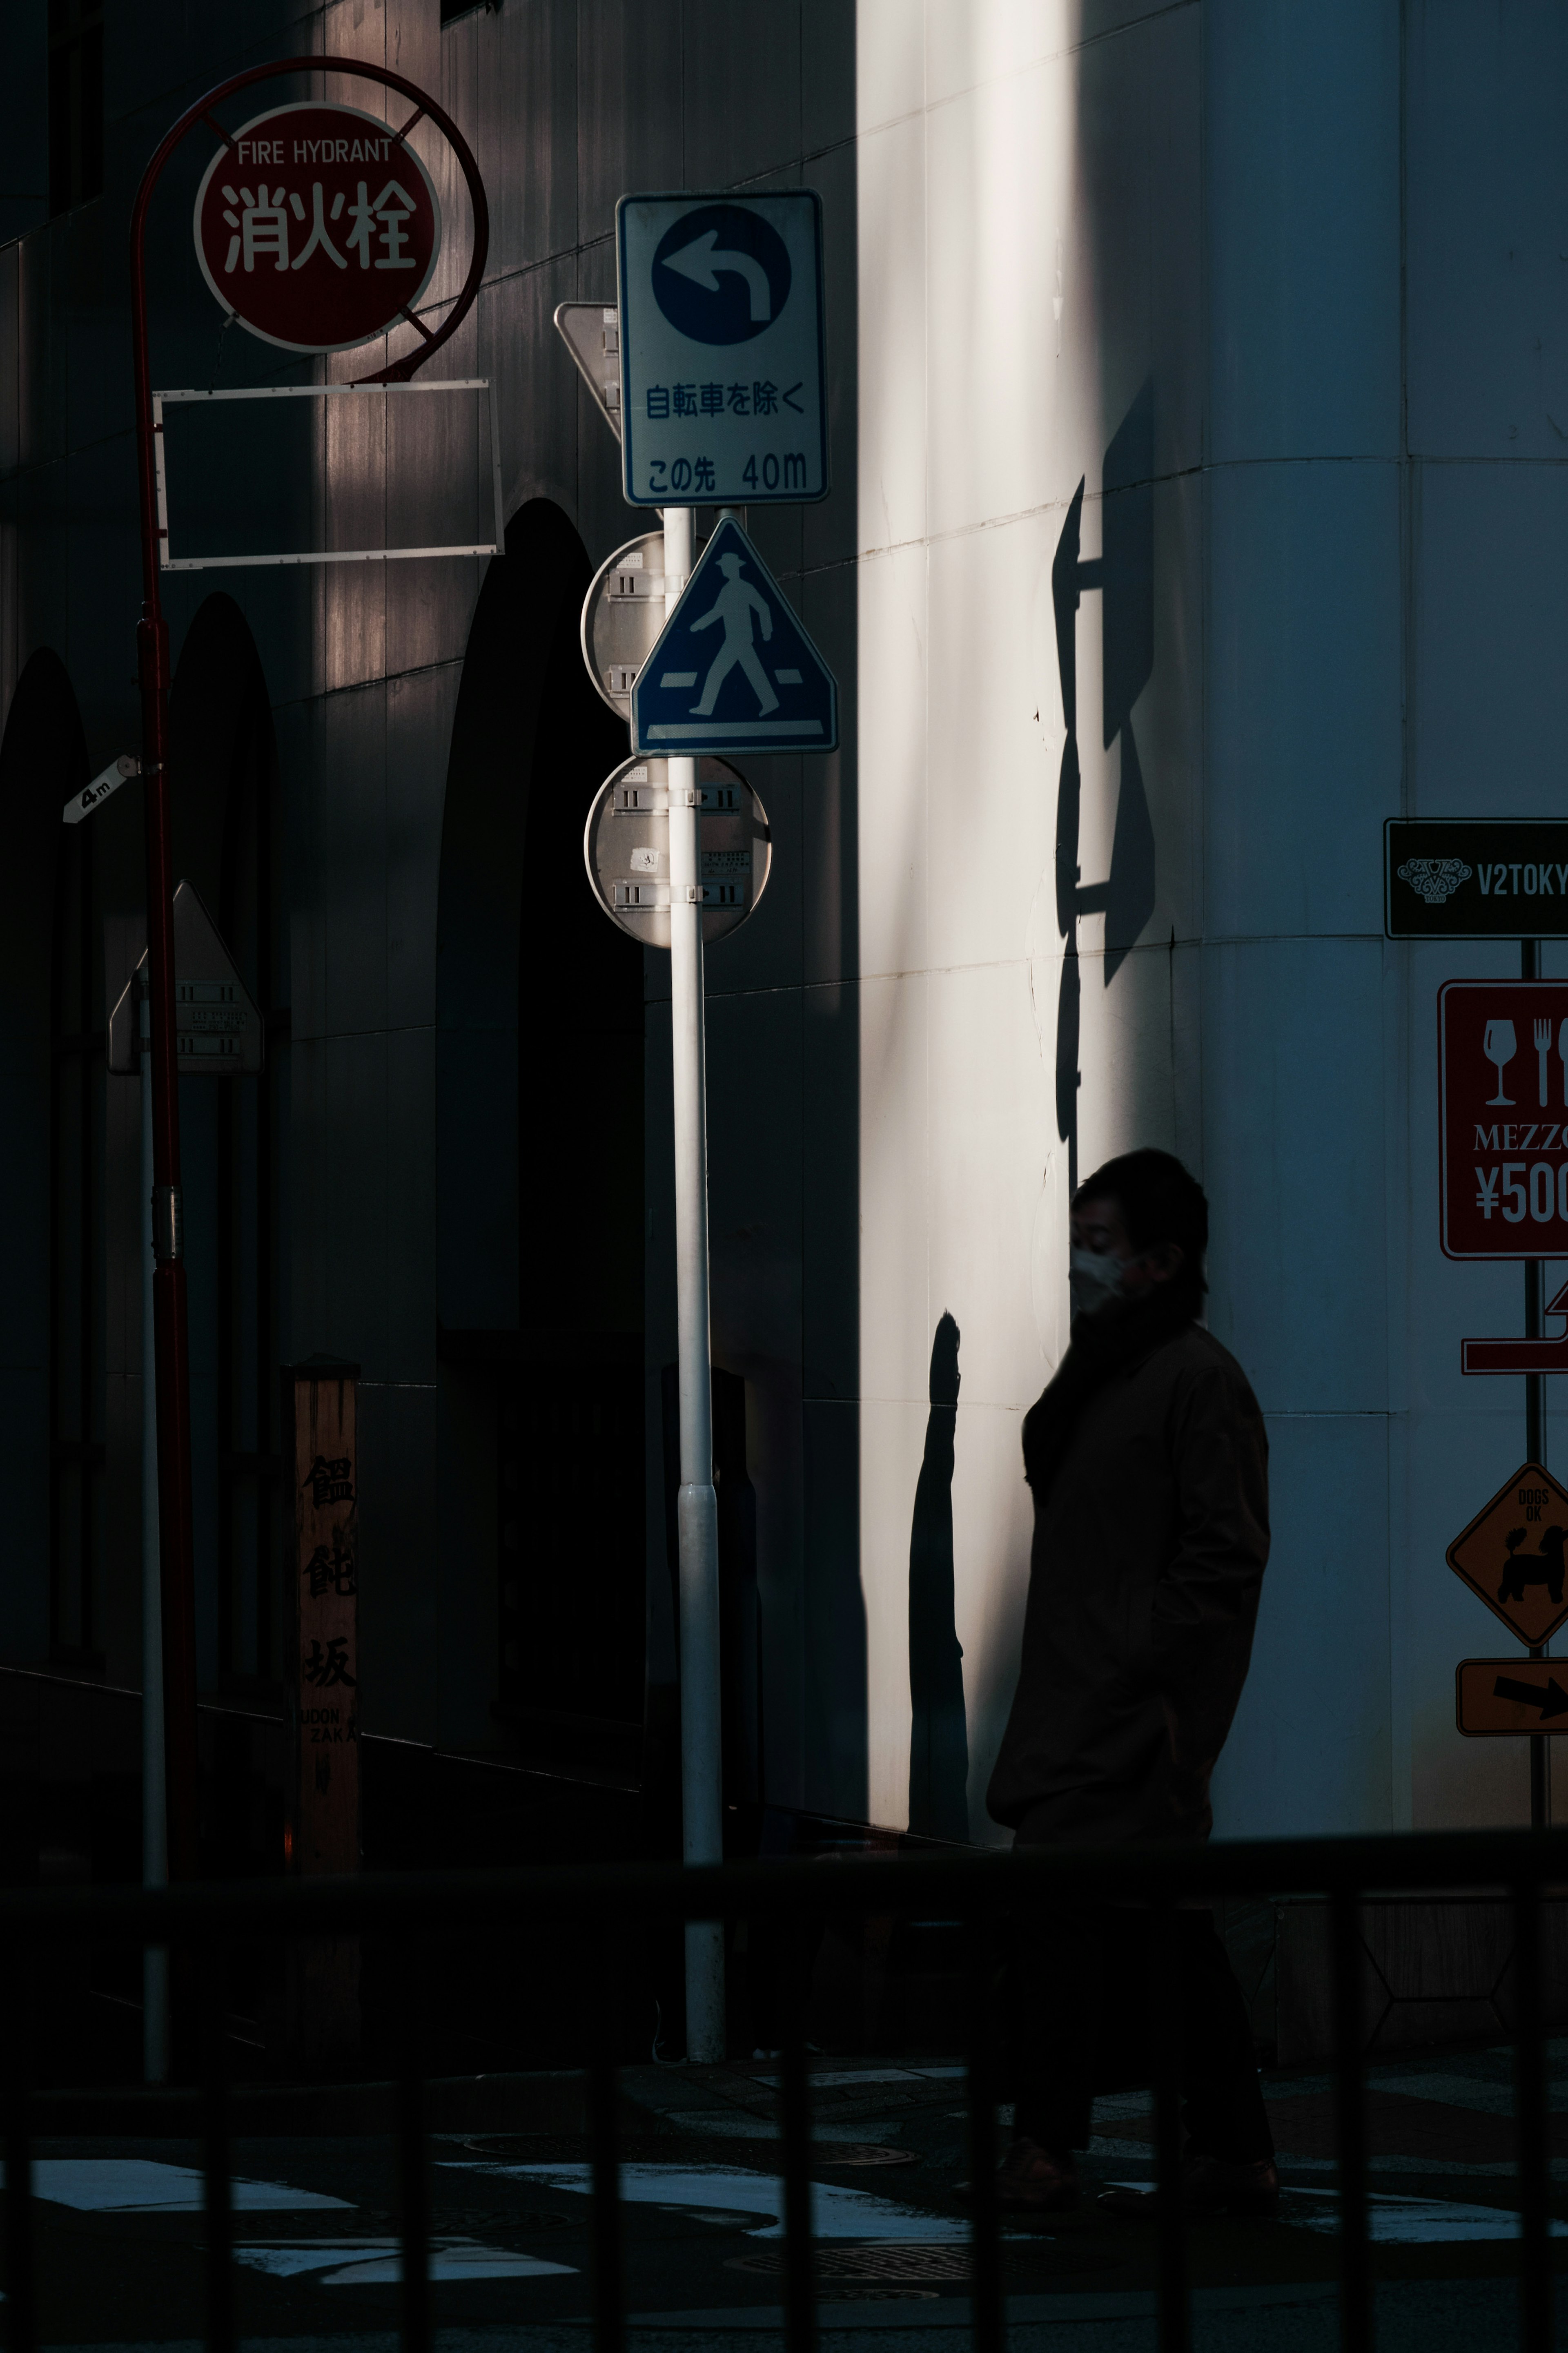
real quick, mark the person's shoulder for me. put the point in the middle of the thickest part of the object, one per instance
(1197, 1360)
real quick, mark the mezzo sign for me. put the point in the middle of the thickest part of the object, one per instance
(724, 388)
(1503, 1060)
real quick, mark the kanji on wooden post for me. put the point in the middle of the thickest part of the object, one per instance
(322, 1825)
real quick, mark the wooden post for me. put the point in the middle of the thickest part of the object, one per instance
(321, 1818)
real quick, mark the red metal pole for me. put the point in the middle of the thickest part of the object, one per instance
(170, 1320)
(171, 1336)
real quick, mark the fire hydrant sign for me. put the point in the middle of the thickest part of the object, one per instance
(317, 227)
(1510, 1556)
(1504, 1064)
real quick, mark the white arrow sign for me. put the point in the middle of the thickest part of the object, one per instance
(701, 264)
(91, 795)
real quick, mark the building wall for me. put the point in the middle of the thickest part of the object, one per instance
(1197, 407)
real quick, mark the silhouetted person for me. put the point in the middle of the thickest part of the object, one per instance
(1148, 1461)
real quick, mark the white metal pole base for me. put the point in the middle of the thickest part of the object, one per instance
(702, 1829)
(705, 1992)
(698, 1511)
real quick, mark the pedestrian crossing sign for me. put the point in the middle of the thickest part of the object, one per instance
(733, 670)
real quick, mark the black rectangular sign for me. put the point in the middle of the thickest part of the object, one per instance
(1475, 877)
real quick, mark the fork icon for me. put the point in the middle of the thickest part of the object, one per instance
(1542, 1049)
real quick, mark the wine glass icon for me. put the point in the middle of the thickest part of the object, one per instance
(1499, 1046)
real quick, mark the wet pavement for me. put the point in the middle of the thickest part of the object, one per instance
(119, 2232)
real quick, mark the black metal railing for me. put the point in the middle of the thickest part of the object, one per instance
(980, 1891)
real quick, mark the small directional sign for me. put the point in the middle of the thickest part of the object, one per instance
(733, 670)
(724, 388)
(218, 1032)
(1549, 1354)
(1512, 1695)
(109, 780)
(591, 333)
(1511, 1555)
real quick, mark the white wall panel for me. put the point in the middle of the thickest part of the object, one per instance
(890, 61)
(1487, 190)
(993, 764)
(991, 1126)
(1001, 224)
(1309, 1748)
(993, 1527)
(1304, 749)
(892, 756)
(1489, 591)
(1292, 1065)
(892, 1437)
(892, 427)
(1302, 156)
(895, 1233)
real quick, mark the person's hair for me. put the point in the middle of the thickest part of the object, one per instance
(1160, 1201)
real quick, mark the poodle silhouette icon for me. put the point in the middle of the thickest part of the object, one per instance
(1511, 1555)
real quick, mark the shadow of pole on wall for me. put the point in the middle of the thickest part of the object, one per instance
(1125, 574)
(939, 1738)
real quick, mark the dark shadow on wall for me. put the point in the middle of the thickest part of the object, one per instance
(52, 1082)
(538, 1175)
(529, 971)
(222, 765)
(1124, 574)
(939, 1737)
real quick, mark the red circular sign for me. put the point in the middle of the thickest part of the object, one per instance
(318, 228)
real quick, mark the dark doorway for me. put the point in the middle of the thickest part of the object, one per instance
(233, 1134)
(52, 1335)
(541, 1117)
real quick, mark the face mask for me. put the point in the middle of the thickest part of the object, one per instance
(1094, 1280)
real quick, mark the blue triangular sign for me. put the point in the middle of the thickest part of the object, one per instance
(733, 671)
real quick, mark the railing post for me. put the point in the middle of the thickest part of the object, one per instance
(208, 1960)
(413, 2162)
(1165, 2018)
(985, 2255)
(604, 2128)
(1530, 2114)
(1350, 2124)
(21, 2299)
(800, 2261)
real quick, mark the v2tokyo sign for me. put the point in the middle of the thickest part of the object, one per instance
(1503, 1059)
(317, 227)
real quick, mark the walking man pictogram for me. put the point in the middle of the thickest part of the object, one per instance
(735, 605)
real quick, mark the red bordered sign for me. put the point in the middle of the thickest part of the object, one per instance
(318, 227)
(1503, 1047)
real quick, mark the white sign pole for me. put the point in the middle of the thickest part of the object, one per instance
(154, 1810)
(697, 1518)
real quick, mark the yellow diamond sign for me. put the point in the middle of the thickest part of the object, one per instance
(1511, 1555)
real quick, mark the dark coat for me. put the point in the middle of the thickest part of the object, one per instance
(1149, 1545)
